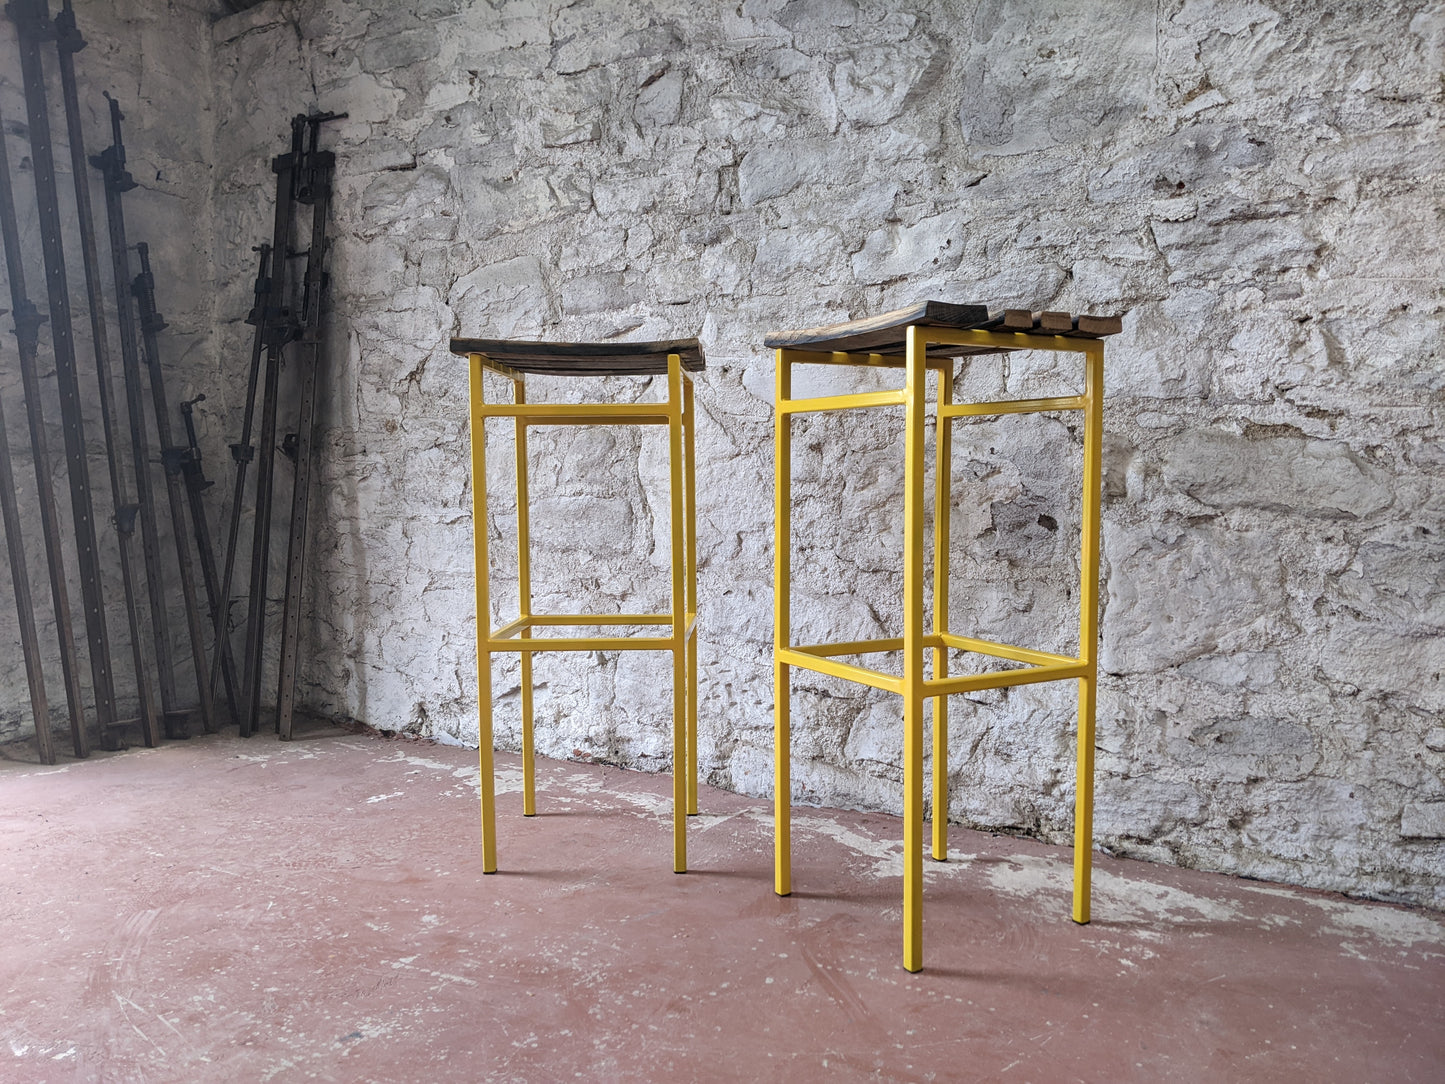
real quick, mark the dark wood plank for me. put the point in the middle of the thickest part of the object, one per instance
(586, 359)
(1061, 323)
(1098, 326)
(882, 334)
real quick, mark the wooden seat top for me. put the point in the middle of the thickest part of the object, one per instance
(586, 359)
(887, 334)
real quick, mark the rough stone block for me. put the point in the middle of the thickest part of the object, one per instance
(1174, 599)
(506, 300)
(659, 101)
(932, 244)
(767, 172)
(400, 48)
(873, 83)
(1035, 79)
(1235, 249)
(1423, 820)
(1315, 477)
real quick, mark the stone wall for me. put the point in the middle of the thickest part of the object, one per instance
(1258, 187)
(153, 60)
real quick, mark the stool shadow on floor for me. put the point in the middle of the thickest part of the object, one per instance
(761, 875)
(570, 875)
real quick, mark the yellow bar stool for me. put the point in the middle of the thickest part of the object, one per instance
(922, 338)
(677, 359)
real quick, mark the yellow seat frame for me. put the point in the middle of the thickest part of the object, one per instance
(914, 686)
(678, 415)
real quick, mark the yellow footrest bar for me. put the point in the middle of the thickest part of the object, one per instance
(585, 643)
(601, 619)
(1012, 406)
(1004, 651)
(861, 674)
(855, 401)
(851, 647)
(999, 679)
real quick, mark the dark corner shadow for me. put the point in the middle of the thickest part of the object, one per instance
(318, 734)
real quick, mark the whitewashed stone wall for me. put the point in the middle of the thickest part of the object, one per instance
(1258, 186)
(153, 59)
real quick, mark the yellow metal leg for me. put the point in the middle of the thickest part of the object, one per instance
(691, 684)
(913, 656)
(484, 620)
(782, 635)
(524, 602)
(679, 754)
(782, 782)
(942, 478)
(690, 524)
(1088, 628)
(679, 617)
(1084, 803)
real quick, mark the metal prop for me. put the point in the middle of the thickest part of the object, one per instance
(151, 323)
(69, 42)
(33, 25)
(118, 181)
(313, 188)
(27, 330)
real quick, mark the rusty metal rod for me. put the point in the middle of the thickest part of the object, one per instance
(32, 25)
(314, 173)
(68, 42)
(187, 460)
(111, 164)
(24, 604)
(279, 328)
(242, 452)
(151, 323)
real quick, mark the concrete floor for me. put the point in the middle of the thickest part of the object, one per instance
(227, 910)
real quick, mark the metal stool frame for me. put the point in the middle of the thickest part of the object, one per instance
(914, 686)
(677, 413)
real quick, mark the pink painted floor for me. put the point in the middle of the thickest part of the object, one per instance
(227, 910)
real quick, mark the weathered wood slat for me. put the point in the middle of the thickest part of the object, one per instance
(1099, 325)
(586, 359)
(883, 334)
